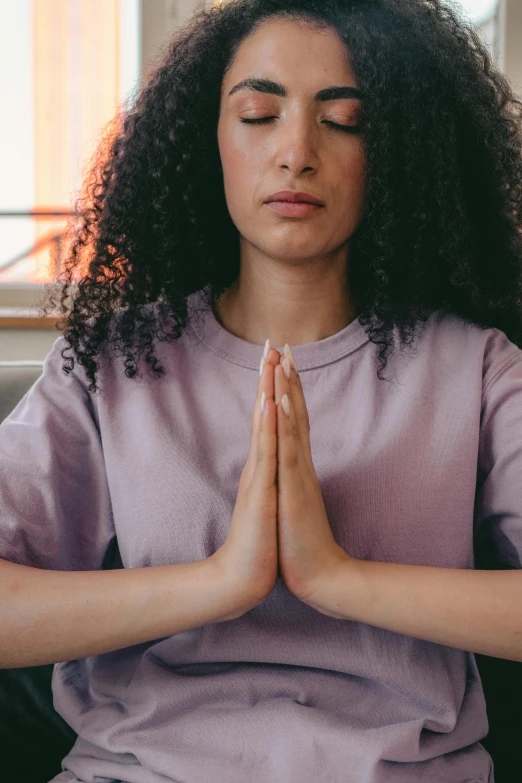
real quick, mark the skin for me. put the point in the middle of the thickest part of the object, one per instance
(291, 287)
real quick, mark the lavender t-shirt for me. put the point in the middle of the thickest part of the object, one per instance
(410, 471)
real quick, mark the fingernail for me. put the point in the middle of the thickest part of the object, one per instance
(267, 349)
(286, 367)
(290, 355)
(262, 366)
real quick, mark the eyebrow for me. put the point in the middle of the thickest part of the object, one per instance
(274, 88)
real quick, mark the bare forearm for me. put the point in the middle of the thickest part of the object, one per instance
(477, 611)
(53, 616)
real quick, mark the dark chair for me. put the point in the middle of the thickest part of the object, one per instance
(34, 738)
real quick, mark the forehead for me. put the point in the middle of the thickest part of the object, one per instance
(297, 48)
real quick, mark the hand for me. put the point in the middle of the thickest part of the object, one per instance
(248, 558)
(308, 551)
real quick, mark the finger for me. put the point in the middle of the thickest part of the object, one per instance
(274, 356)
(294, 389)
(266, 385)
(289, 452)
(265, 438)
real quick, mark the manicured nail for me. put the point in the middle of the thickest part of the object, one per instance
(262, 366)
(267, 349)
(286, 406)
(286, 367)
(290, 355)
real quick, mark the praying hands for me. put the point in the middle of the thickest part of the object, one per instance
(308, 552)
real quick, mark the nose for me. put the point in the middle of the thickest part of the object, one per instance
(296, 142)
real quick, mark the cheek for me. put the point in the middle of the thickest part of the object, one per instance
(354, 179)
(239, 166)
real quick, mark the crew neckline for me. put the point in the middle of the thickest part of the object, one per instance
(234, 349)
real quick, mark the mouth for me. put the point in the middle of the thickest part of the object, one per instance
(295, 196)
(294, 208)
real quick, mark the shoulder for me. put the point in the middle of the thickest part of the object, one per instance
(449, 337)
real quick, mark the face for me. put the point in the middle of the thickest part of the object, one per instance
(297, 147)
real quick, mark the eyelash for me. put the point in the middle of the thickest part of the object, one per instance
(346, 128)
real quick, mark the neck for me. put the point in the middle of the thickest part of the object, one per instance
(295, 314)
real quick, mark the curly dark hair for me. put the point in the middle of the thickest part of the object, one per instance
(443, 222)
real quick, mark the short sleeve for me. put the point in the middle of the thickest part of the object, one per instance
(55, 506)
(498, 502)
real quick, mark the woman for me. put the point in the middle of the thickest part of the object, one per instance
(333, 637)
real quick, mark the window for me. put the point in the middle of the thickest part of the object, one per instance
(65, 68)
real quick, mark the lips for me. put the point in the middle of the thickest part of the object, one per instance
(294, 197)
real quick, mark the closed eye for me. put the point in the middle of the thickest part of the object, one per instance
(347, 128)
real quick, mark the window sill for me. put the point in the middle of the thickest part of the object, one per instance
(15, 318)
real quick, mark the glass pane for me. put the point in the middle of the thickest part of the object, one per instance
(65, 68)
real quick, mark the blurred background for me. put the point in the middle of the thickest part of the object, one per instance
(66, 66)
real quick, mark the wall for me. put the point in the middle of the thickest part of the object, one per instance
(18, 344)
(510, 42)
(159, 20)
